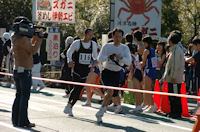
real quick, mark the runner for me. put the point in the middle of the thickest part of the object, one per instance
(93, 78)
(138, 39)
(83, 51)
(113, 55)
(135, 79)
(149, 64)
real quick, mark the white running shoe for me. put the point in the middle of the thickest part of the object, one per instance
(99, 117)
(138, 109)
(87, 104)
(68, 110)
(99, 114)
(118, 109)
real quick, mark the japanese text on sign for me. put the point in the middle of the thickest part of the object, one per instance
(144, 15)
(53, 44)
(62, 11)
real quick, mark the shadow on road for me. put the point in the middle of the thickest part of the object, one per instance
(2, 110)
(109, 125)
(44, 93)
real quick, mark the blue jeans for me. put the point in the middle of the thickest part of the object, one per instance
(23, 82)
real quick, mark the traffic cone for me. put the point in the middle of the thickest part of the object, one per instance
(198, 101)
(156, 97)
(126, 83)
(165, 105)
(184, 103)
(81, 94)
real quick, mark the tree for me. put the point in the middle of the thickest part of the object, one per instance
(170, 20)
(189, 17)
(9, 9)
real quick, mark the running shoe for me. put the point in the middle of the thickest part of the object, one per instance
(118, 109)
(99, 114)
(87, 104)
(138, 109)
(68, 110)
(41, 87)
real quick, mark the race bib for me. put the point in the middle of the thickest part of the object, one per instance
(85, 58)
(154, 62)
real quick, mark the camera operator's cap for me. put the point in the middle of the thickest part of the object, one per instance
(6, 35)
(69, 40)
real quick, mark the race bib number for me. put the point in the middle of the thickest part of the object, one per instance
(137, 64)
(154, 62)
(85, 58)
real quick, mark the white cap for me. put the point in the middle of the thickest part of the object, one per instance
(69, 40)
(6, 35)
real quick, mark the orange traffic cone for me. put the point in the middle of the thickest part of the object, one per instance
(81, 94)
(156, 97)
(198, 99)
(126, 83)
(165, 105)
(184, 103)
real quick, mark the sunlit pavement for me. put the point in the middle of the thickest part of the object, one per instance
(46, 110)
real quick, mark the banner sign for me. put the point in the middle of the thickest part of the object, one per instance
(53, 44)
(143, 15)
(61, 11)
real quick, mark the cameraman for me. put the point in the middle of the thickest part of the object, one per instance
(24, 46)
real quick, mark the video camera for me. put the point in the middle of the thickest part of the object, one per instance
(25, 28)
(112, 57)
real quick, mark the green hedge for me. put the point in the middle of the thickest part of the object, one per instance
(129, 98)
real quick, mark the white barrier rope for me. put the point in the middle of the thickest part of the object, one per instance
(109, 87)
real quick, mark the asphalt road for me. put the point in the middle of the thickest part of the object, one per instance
(46, 110)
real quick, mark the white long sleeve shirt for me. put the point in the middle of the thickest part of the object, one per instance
(109, 49)
(76, 45)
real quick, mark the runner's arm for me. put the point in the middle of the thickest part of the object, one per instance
(94, 50)
(127, 58)
(144, 58)
(103, 55)
(74, 47)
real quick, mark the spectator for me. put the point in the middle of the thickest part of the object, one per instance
(174, 74)
(1, 55)
(161, 58)
(189, 69)
(36, 73)
(196, 58)
(7, 56)
(66, 71)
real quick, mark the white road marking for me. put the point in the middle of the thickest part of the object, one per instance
(175, 126)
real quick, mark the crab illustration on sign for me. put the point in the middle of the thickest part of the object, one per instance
(138, 7)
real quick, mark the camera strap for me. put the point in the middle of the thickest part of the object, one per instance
(117, 63)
